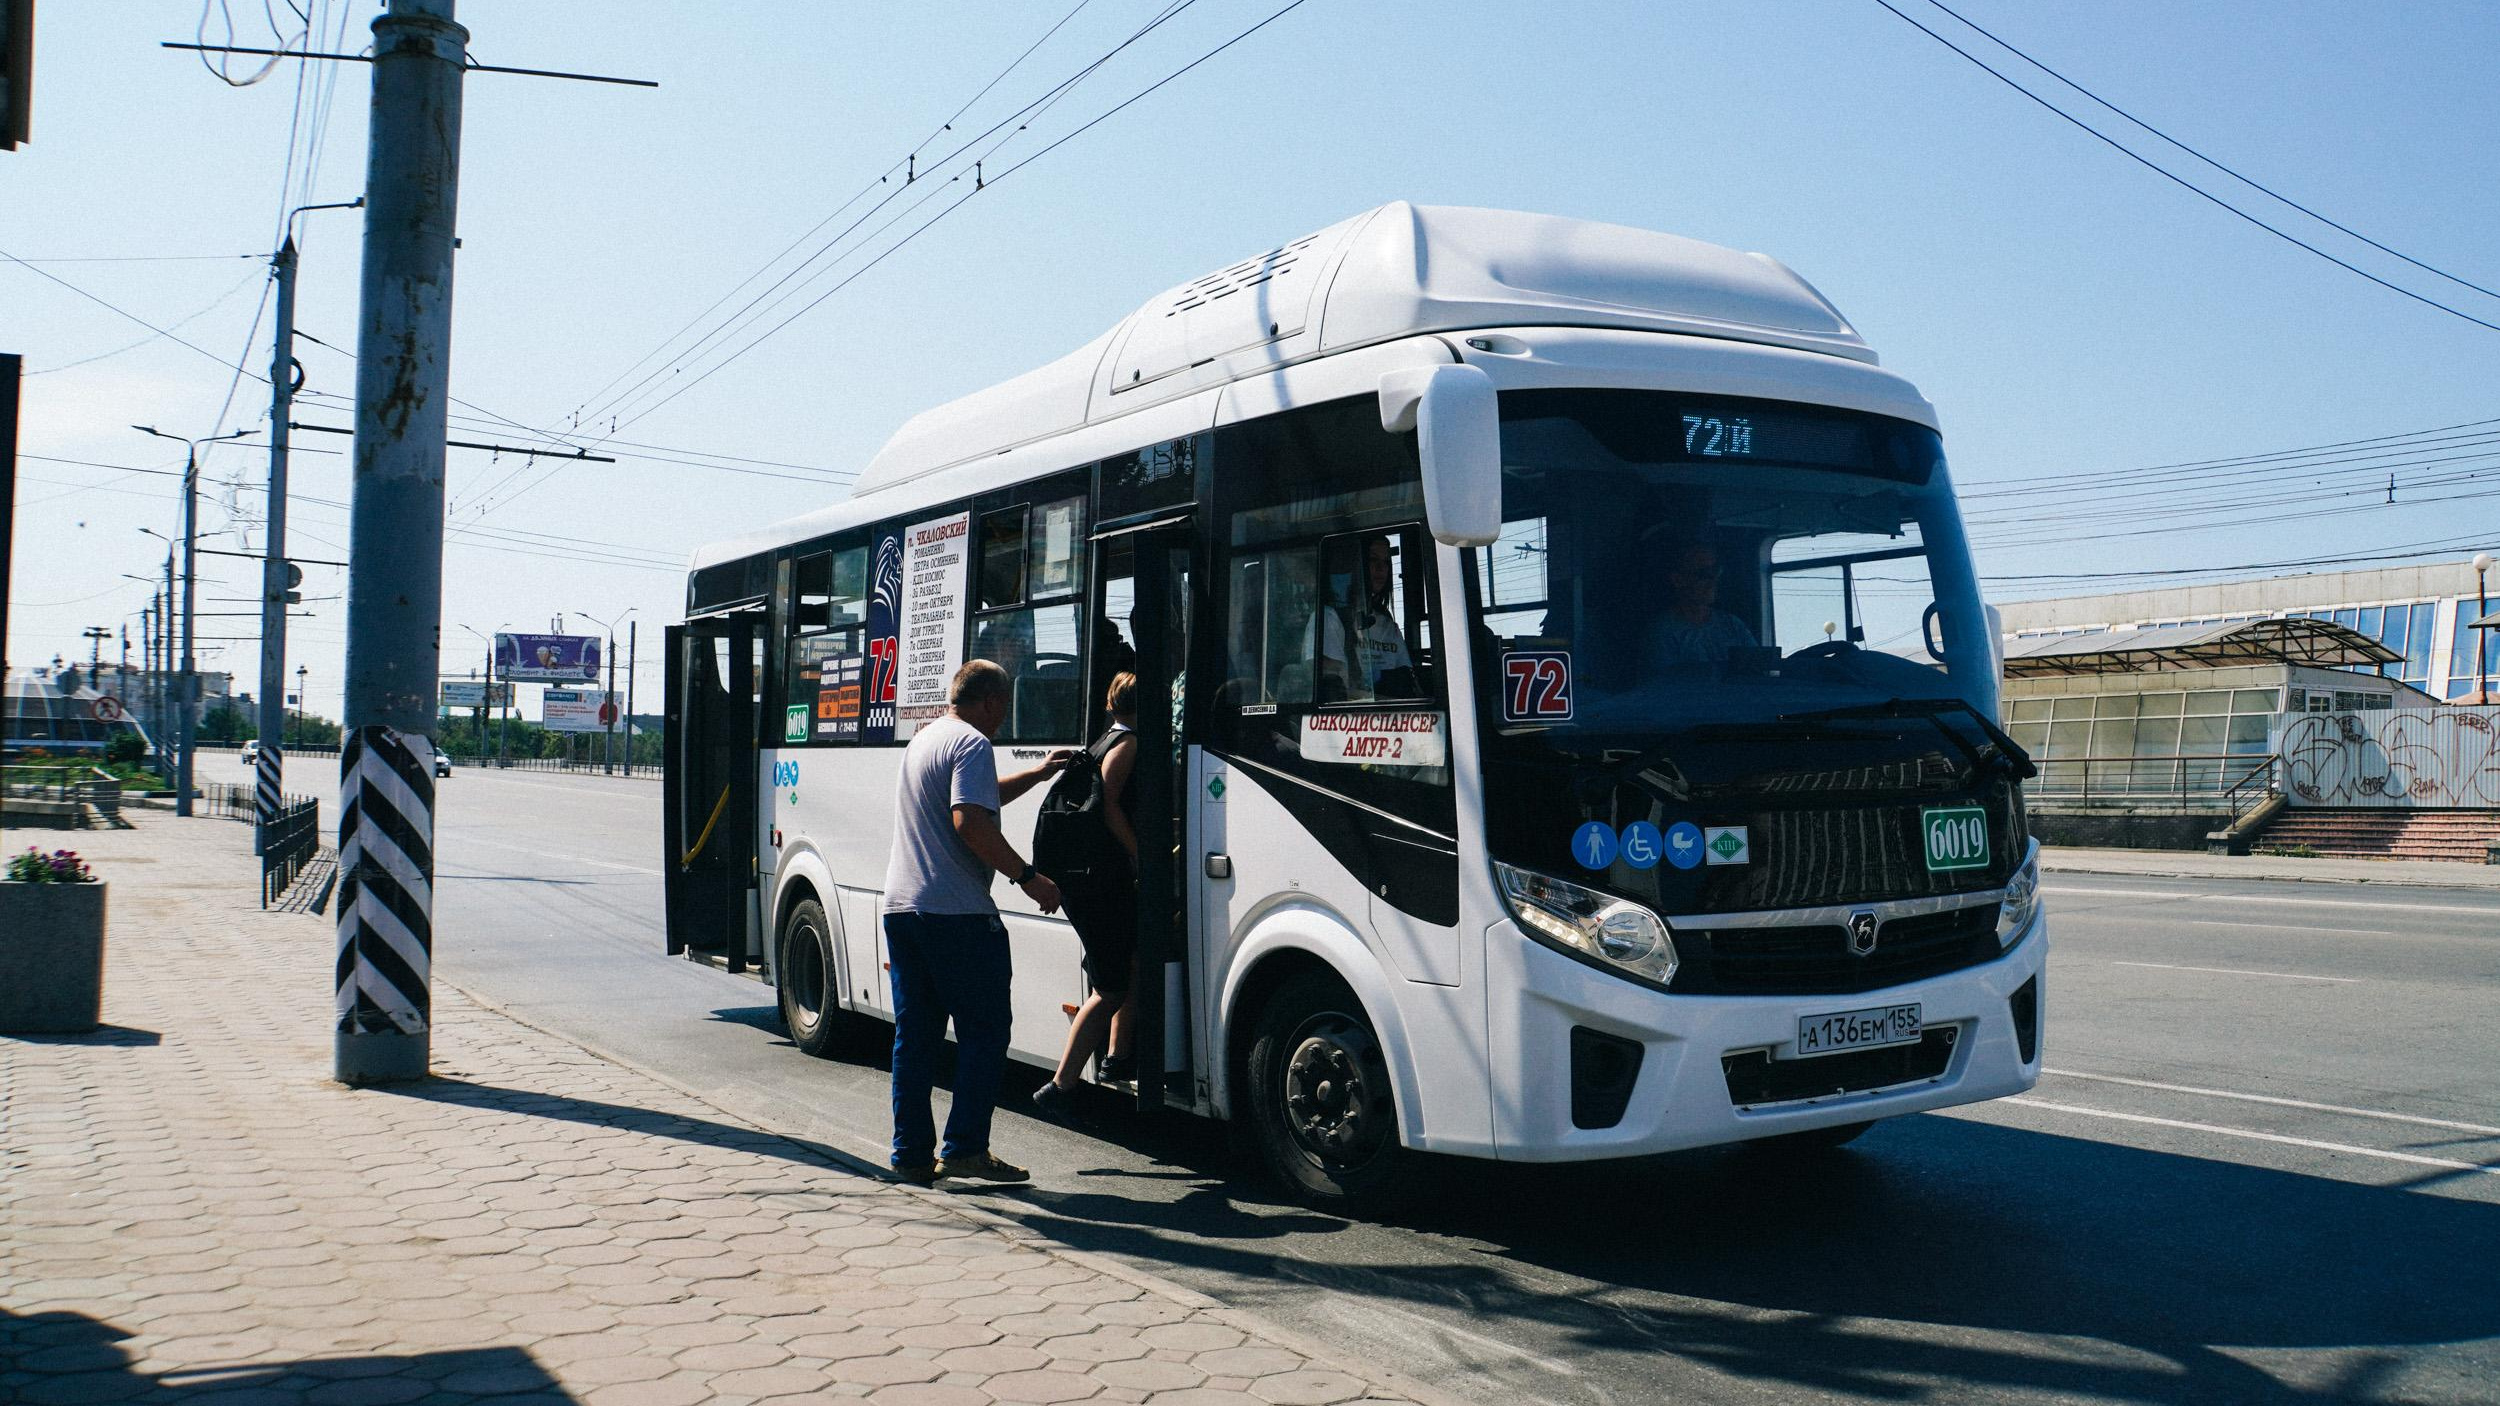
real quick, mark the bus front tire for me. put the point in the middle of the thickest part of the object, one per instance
(811, 1010)
(1321, 1111)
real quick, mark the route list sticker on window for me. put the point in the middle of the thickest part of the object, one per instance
(934, 557)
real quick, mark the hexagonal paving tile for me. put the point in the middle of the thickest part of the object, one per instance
(1307, 1387)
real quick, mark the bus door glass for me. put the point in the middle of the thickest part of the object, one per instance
(1143, 579)
(709, 786)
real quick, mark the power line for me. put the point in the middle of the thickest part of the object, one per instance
(2019, 482)
(2252, 184)
(2181, 181)
(989, 182)
(119, 311)
(730, 325)
(2402, 552)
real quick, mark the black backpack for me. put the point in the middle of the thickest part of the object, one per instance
(1071, 843)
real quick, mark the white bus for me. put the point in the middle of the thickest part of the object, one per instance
(1582, 738)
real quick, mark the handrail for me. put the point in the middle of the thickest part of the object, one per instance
(2184, 776)
(2264, 767)
(718, 807)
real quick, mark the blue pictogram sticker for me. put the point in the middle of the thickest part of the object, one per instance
(1684, 844)
(1642, 845)
(1594, 845)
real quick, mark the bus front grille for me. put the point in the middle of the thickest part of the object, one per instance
(1813, 959)
(1754, 1078)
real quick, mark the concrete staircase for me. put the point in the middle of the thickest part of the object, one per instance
(2464, 836)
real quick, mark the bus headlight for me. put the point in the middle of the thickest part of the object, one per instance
(1589, 924)
(2022, 902)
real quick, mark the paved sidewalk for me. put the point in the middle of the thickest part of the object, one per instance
(191, 1210)
(2181, 864)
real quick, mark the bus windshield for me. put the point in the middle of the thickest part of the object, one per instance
(1729, 602)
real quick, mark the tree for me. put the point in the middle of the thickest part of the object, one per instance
(305, 730)
(226, 723)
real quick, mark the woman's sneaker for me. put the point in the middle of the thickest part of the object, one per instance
(1116, 1069)
(1054, 1104)
(981, 1166)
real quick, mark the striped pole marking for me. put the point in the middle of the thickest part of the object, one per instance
(386, 881)
(265, 809)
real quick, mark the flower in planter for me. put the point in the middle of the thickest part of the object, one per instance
(59, 867)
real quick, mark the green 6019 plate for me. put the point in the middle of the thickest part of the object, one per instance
(1957, 837)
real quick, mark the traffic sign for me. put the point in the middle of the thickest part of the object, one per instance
(106, 709)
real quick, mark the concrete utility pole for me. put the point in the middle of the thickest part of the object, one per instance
(632, 627)
(186, 687)
(278, 576)
(395, 573)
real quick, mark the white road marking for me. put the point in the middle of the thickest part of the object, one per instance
(2278, 927)
(2382, 905)
(2414, 1158)
(500, 846)
(2237, 971)
(2349, 1112)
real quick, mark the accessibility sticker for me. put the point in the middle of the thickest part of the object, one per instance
(1594, 845)
(1727, 844)
(1684, 845)
(1642, 845)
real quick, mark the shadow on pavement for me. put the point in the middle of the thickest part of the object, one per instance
(107, 1036)
(1802, 1271)
(60, 1358)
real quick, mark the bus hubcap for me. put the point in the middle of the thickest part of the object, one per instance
(1328, 1095)
(807, 973)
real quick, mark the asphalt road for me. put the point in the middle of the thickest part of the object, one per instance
(2265, 1166)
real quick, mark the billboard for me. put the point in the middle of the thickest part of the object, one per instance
(572, 710)
(458, 694)
(547, 658)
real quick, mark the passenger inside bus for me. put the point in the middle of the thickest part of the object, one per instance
(1362, 649)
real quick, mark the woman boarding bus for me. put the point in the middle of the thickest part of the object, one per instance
(1682, 818)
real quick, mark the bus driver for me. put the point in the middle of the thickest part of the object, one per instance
(1692, 629)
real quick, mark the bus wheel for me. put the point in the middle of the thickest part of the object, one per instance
(803, 972)
(1320, 1107)
(1811, 1140)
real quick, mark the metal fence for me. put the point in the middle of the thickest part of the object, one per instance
(2191, 781)
(292, 842)
(94, 795)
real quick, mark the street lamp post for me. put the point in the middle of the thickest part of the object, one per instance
(2482, 640)
(184, 722)
(607, 752)
(303, 705)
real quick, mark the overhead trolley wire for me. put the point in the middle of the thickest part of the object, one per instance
(913, 175)
(988, 183)
(2181, 181)
(2236, 175)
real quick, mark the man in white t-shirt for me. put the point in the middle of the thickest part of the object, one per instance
(946, 949)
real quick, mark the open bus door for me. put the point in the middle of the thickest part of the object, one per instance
(709, 795)
(1143, 576)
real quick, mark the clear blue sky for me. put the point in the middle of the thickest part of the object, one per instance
(2067, 311)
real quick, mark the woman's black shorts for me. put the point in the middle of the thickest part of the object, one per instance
(1104, 913)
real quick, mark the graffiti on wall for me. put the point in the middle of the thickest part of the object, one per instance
(2422, 758)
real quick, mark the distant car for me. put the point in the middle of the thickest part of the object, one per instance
(442, 764)
(251, 752)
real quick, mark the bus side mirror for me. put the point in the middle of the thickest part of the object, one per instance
(1458, 431)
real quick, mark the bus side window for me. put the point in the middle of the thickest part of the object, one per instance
(1027, 556)
(822, 700)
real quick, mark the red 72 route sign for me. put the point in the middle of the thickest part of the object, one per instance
(1536, 686)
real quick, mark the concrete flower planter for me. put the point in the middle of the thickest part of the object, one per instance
(51, 958)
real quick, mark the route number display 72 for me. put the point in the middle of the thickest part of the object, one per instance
(1536, 686)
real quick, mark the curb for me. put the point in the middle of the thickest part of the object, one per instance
(2354, 881)
(850, 1160)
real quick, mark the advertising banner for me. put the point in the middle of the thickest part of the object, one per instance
(825, 702)
(935, 578)
(572, 709)
(459, 694)
(547, 658)
(885, 642)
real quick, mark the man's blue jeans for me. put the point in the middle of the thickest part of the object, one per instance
(942, 965)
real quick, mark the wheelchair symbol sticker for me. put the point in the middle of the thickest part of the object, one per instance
(1642, 845)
